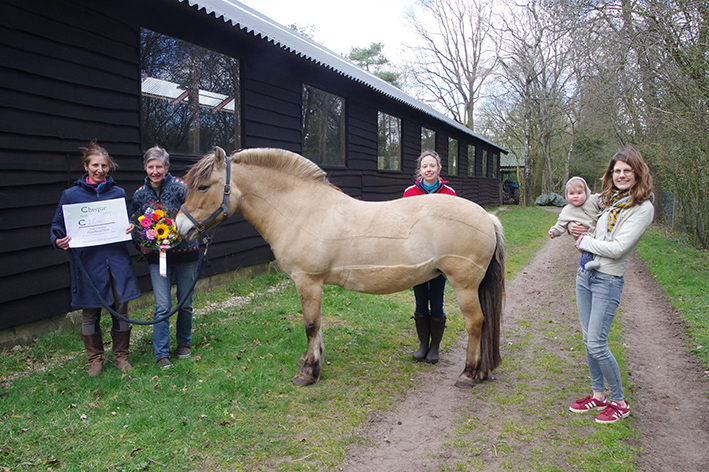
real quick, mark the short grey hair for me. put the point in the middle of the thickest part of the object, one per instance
(156, 153)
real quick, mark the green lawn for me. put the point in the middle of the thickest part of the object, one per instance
(232, 405)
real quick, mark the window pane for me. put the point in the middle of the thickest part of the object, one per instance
(190, 99)
(485, 158)
(323, 127)
(471, 160)
(452, 156)
(389, 146)
(495, 165)
(428, 140)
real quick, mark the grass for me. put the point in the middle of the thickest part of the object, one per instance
(683, 271)
(232, 406)
(525, 232)
(520, 421)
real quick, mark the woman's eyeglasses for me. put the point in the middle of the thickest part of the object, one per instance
(623, 172)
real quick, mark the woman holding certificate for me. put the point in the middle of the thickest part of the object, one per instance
(108, 266)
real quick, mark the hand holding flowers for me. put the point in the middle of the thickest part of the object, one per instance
(155, 229)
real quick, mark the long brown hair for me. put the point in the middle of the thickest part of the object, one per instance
(642, 190)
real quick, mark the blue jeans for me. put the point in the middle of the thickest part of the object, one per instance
(597, 298)
(184, 276)
(431, 291)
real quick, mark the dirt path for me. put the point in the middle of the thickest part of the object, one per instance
(439, 427)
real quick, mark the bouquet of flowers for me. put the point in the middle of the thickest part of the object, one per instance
(155, 229)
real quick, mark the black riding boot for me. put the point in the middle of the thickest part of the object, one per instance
(438, 325)
(423, 329)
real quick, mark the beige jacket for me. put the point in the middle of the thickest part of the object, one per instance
(613, 250)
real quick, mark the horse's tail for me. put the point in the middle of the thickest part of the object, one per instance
(492, 294)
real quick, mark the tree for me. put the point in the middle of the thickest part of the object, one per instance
(457, 55)
(648, 82)
(307, 31)
(538, 82)
(372, 60)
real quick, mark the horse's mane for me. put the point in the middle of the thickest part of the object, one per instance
(285, 161)
(278, 159)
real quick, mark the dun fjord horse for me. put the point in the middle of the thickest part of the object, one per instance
(319, 235)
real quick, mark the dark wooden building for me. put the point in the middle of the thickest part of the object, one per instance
(189, 75)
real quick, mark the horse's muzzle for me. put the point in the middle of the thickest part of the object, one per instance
(186, 228)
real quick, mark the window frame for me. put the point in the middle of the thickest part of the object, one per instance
(453, 156)
(331, 142)
(432, 137)
(386, 144)
(471, 160)
(168, 116)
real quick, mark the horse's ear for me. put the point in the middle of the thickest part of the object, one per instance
(219, 155)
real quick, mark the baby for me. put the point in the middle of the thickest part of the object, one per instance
(583, 208)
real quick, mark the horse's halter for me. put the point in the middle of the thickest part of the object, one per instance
(202, 227)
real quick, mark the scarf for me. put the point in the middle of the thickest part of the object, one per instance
(97, 187)
(431, 188)
(619, 201)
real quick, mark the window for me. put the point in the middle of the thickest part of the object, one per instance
(428, 140)
(452, 156)
(389, 143)
(485, 159)
(495, 164)
(471, 160)
(190, 99)
(323, 127)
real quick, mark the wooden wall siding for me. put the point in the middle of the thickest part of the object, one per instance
(272, 106)
(71, 73)
(362, 136)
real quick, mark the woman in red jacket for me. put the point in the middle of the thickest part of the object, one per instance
(430, 323)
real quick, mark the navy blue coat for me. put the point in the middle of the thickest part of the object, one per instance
(101, 262)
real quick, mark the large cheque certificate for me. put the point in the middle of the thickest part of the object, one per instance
(96, 223)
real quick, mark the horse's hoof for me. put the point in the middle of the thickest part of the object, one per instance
(465, 382)
(302, 381)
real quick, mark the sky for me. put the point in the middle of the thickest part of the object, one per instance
(342, 25)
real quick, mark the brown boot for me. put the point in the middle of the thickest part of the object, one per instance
(121, 341)
(438, 325)
(423, 329)
(94, 348)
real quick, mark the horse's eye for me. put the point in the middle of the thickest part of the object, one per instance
(203, 188)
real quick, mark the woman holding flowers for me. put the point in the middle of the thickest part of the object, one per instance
(153, 207)
(108, 266)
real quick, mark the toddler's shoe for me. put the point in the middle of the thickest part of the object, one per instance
(592, 265)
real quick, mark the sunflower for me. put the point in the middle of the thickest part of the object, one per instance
(162, 231)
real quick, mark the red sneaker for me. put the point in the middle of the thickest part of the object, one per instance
(613, 413)
(587, 404)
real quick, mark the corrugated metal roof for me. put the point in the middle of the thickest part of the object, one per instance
(246, 18)
(511, 160)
